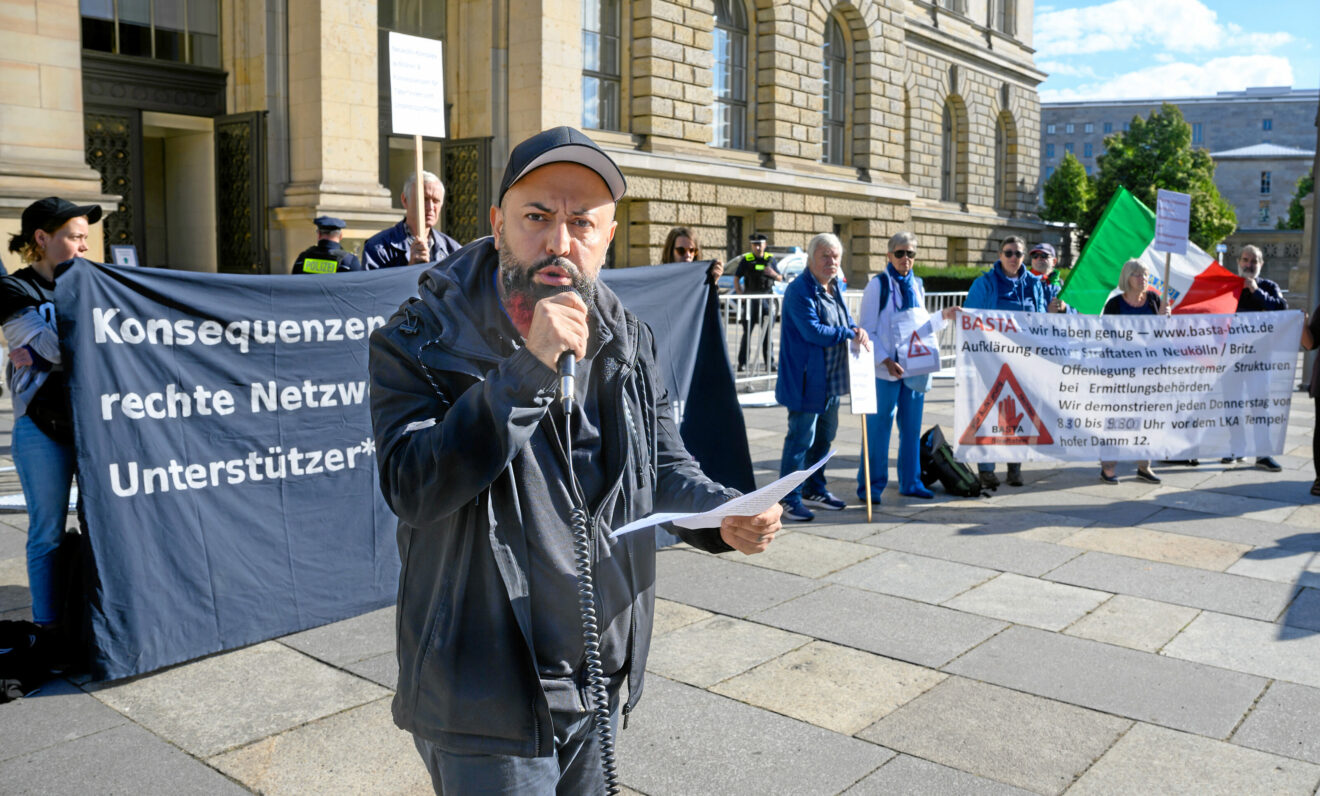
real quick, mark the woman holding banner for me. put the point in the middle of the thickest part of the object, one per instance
(681, 247)
(54, 231)
(1136, 299)
(893, 309)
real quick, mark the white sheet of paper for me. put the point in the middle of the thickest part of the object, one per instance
(861, 379)
(744, 506)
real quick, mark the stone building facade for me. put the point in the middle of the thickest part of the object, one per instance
(217, 139)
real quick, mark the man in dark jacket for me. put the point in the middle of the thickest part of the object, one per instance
(494, 675)
(400, 244)
(1258, 295)
(327, 256)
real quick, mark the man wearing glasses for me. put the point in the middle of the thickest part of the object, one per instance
(1258, 295)
(1042, 267)
(1006, 286)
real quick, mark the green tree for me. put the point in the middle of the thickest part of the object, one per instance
(1068, 192)
(1156, 153)
(1296, 218)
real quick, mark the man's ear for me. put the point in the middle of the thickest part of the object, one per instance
(496, 224)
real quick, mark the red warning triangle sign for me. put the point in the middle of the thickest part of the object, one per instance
(916, 348)
(1016, 422)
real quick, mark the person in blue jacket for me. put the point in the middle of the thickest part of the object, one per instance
(1006, 286)
(1042, 265)
(813, 371)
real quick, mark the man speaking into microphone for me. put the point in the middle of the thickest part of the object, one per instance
(490, 474)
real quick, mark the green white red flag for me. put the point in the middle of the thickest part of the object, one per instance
(1197, 284)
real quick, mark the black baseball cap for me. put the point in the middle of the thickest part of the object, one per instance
(328, 223)
(561, 145)
(757, 237)
(52, 209)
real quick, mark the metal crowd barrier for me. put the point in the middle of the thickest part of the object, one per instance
(762, 332)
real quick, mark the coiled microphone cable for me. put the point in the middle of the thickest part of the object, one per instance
(580, 522)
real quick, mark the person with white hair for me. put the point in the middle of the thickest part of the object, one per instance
(1258, 295)
(813, 371)
(1136, 299)
(401, 244)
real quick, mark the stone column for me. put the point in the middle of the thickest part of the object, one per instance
(545, 65)
(334, 143)
(42, 147)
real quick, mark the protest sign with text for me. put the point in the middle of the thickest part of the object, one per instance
(1122, 387)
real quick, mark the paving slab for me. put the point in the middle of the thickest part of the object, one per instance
(125, 760)
(381, 669)
(1133, 622)
(683, 740)
(852, 531)
(830, 686)
(14, 584)
(1242, 530)
(907, 774)
(929, 580)
(1280, 564)
(344, 642)
(1152, 688)
(1308, 514)
(670, 616)
(359, 751)
(1196, 588)
(1158, 760)
(1304, 612)
(927, 635)
(1223, 504)
(722, 586)
(1003, 552)
(1248, 645)
(217, 703)
(706, 652)
(56, 713)
(1286, 721)
(1169, 548)
(13, 543)
(1029, 601)
(806, 554)
(1023, 740)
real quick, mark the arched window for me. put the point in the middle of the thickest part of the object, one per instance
(730, 74)
(601, 22)
(834, 116)
(949, 156)
(1001, 164)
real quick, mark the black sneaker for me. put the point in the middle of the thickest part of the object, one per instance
(989, 480)
(1107, 478)
(825, 500)
(1014, 477)
(1148, 476)
(1267, 463)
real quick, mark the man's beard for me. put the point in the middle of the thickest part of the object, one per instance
(522, 291)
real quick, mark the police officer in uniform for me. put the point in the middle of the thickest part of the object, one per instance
(756, 271)
(327, 257)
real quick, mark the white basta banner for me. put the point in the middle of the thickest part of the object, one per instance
(1120, 387)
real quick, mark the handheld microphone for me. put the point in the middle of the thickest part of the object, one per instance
(567, 370)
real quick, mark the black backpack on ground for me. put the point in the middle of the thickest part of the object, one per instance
(938, 464)
(23, 659)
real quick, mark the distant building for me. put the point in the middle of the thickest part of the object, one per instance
(1262, 140)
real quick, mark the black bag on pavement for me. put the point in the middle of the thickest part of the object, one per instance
(938, 464)
(22, 659)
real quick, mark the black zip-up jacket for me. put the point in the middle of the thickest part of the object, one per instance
(454, 421)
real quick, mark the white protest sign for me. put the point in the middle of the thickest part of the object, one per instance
(417, 85)
(861, 379)
(917, 335)
(1035, 386)
(1173, 215)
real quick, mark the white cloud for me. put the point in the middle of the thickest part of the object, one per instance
(1165, 58)
(1065, 69)
(1230, 73)
(1180, 26)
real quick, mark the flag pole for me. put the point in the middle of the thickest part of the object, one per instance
(419, 196)
(866, 466)
(1168, 258)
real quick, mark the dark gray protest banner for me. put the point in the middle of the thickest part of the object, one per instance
(225, 455)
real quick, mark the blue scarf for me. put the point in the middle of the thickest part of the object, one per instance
(905, 283)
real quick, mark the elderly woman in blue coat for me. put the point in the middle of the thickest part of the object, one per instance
(889, 295)
(1006, 286)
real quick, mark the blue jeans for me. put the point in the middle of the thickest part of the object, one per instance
(893, 398)
(573, 768)
(45, 469)
(808, 439)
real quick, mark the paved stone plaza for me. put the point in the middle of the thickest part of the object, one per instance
(1067, 636)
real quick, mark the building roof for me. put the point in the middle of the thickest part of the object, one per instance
(1272, 151)
(1255, 94)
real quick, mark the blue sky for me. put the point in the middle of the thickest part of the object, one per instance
(1117, 49)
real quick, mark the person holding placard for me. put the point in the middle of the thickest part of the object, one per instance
(1006, 286)
(1258, 295)
(813, 371)
(894, 315)
(401, 244)
(1136, 299)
